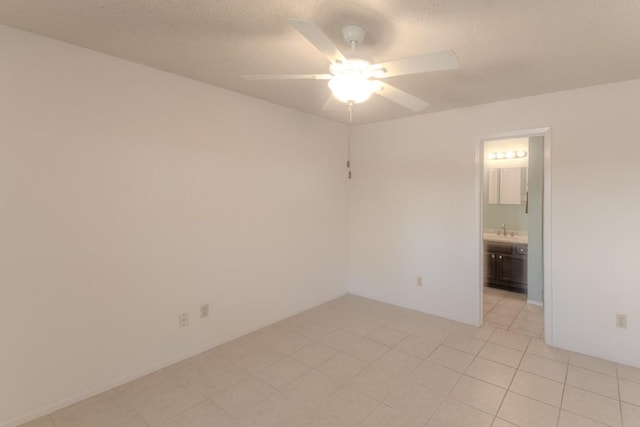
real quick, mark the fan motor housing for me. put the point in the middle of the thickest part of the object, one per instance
(353, 34)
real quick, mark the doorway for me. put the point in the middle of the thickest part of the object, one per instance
(514, 186)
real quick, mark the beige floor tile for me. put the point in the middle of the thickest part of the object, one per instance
(451, 358)
(387, 336)
(397, 362)
(361, 327)
(510, 339)
(367, 350)
(482, 333)
(531, 316)
(408, 323)
(506, 310)
(314, 354)
(455, 414)
(414, 401)
(464, 343)
(501, 354)
(255, 362)
(478, 394)
(283, 372)
(629, 373)
(159, 397)
(593, 364)
(280, 410)
(433, 332)
(385, 416)
(419, 347)
(630, 415)
(342, 367)
(312, 386)
(498, 320)
(527, 412)
(289, 342)
(340, 339)
(538, 388)
(630, 392)
(243, 396)
(544, 367)
(377, 382)
(106, 409)
(348, 406)
(514, 300)
(569, 419)
(592, 406)
(539, 348)
(491, 372)
(499, 422)
(435, 377)
(527, 327)
(205, 414)
(534, 308)
(40, 422)
(593, 381)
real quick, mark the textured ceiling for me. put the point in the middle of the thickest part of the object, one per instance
(507, 48)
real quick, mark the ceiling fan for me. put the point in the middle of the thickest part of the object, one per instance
(352, 80)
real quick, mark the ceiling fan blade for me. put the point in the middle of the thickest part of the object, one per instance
(318, 38)
(401, 97)
(287, 76)
(446, 60)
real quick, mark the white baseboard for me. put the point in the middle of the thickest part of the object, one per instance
(532, 302)
(94, 391)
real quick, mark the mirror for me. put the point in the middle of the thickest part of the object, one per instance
(507, 186)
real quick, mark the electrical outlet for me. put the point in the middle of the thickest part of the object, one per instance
(204, 311)
(419, 281)
(621, 321)
(183, 320)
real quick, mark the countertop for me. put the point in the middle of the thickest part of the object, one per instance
(517, 239)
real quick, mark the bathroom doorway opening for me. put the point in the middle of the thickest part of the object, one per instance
(514, 211)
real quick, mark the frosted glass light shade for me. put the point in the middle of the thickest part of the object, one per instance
(352, 88)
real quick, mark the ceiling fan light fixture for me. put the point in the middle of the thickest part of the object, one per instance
(352, 88)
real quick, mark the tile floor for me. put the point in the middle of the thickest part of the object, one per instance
(358, 362)
(509, 310)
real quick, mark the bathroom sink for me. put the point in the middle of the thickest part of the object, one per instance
(493, 237)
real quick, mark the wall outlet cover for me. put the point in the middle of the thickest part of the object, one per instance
(204, 311)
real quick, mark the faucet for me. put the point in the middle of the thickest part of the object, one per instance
(504, 230)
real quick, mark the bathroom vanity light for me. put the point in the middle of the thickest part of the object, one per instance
(520, 154)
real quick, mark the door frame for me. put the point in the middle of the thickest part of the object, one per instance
(545, 132)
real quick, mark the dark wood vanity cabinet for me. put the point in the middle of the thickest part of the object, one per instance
(505, 266)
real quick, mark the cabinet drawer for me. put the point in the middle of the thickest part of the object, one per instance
(499, 248)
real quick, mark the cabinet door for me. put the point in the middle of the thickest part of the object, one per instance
(489, 266)
(512, 268)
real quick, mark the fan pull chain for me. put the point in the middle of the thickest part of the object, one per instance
(350, 109)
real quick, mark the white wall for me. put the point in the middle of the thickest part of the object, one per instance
(412, 204)
(129, 195)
